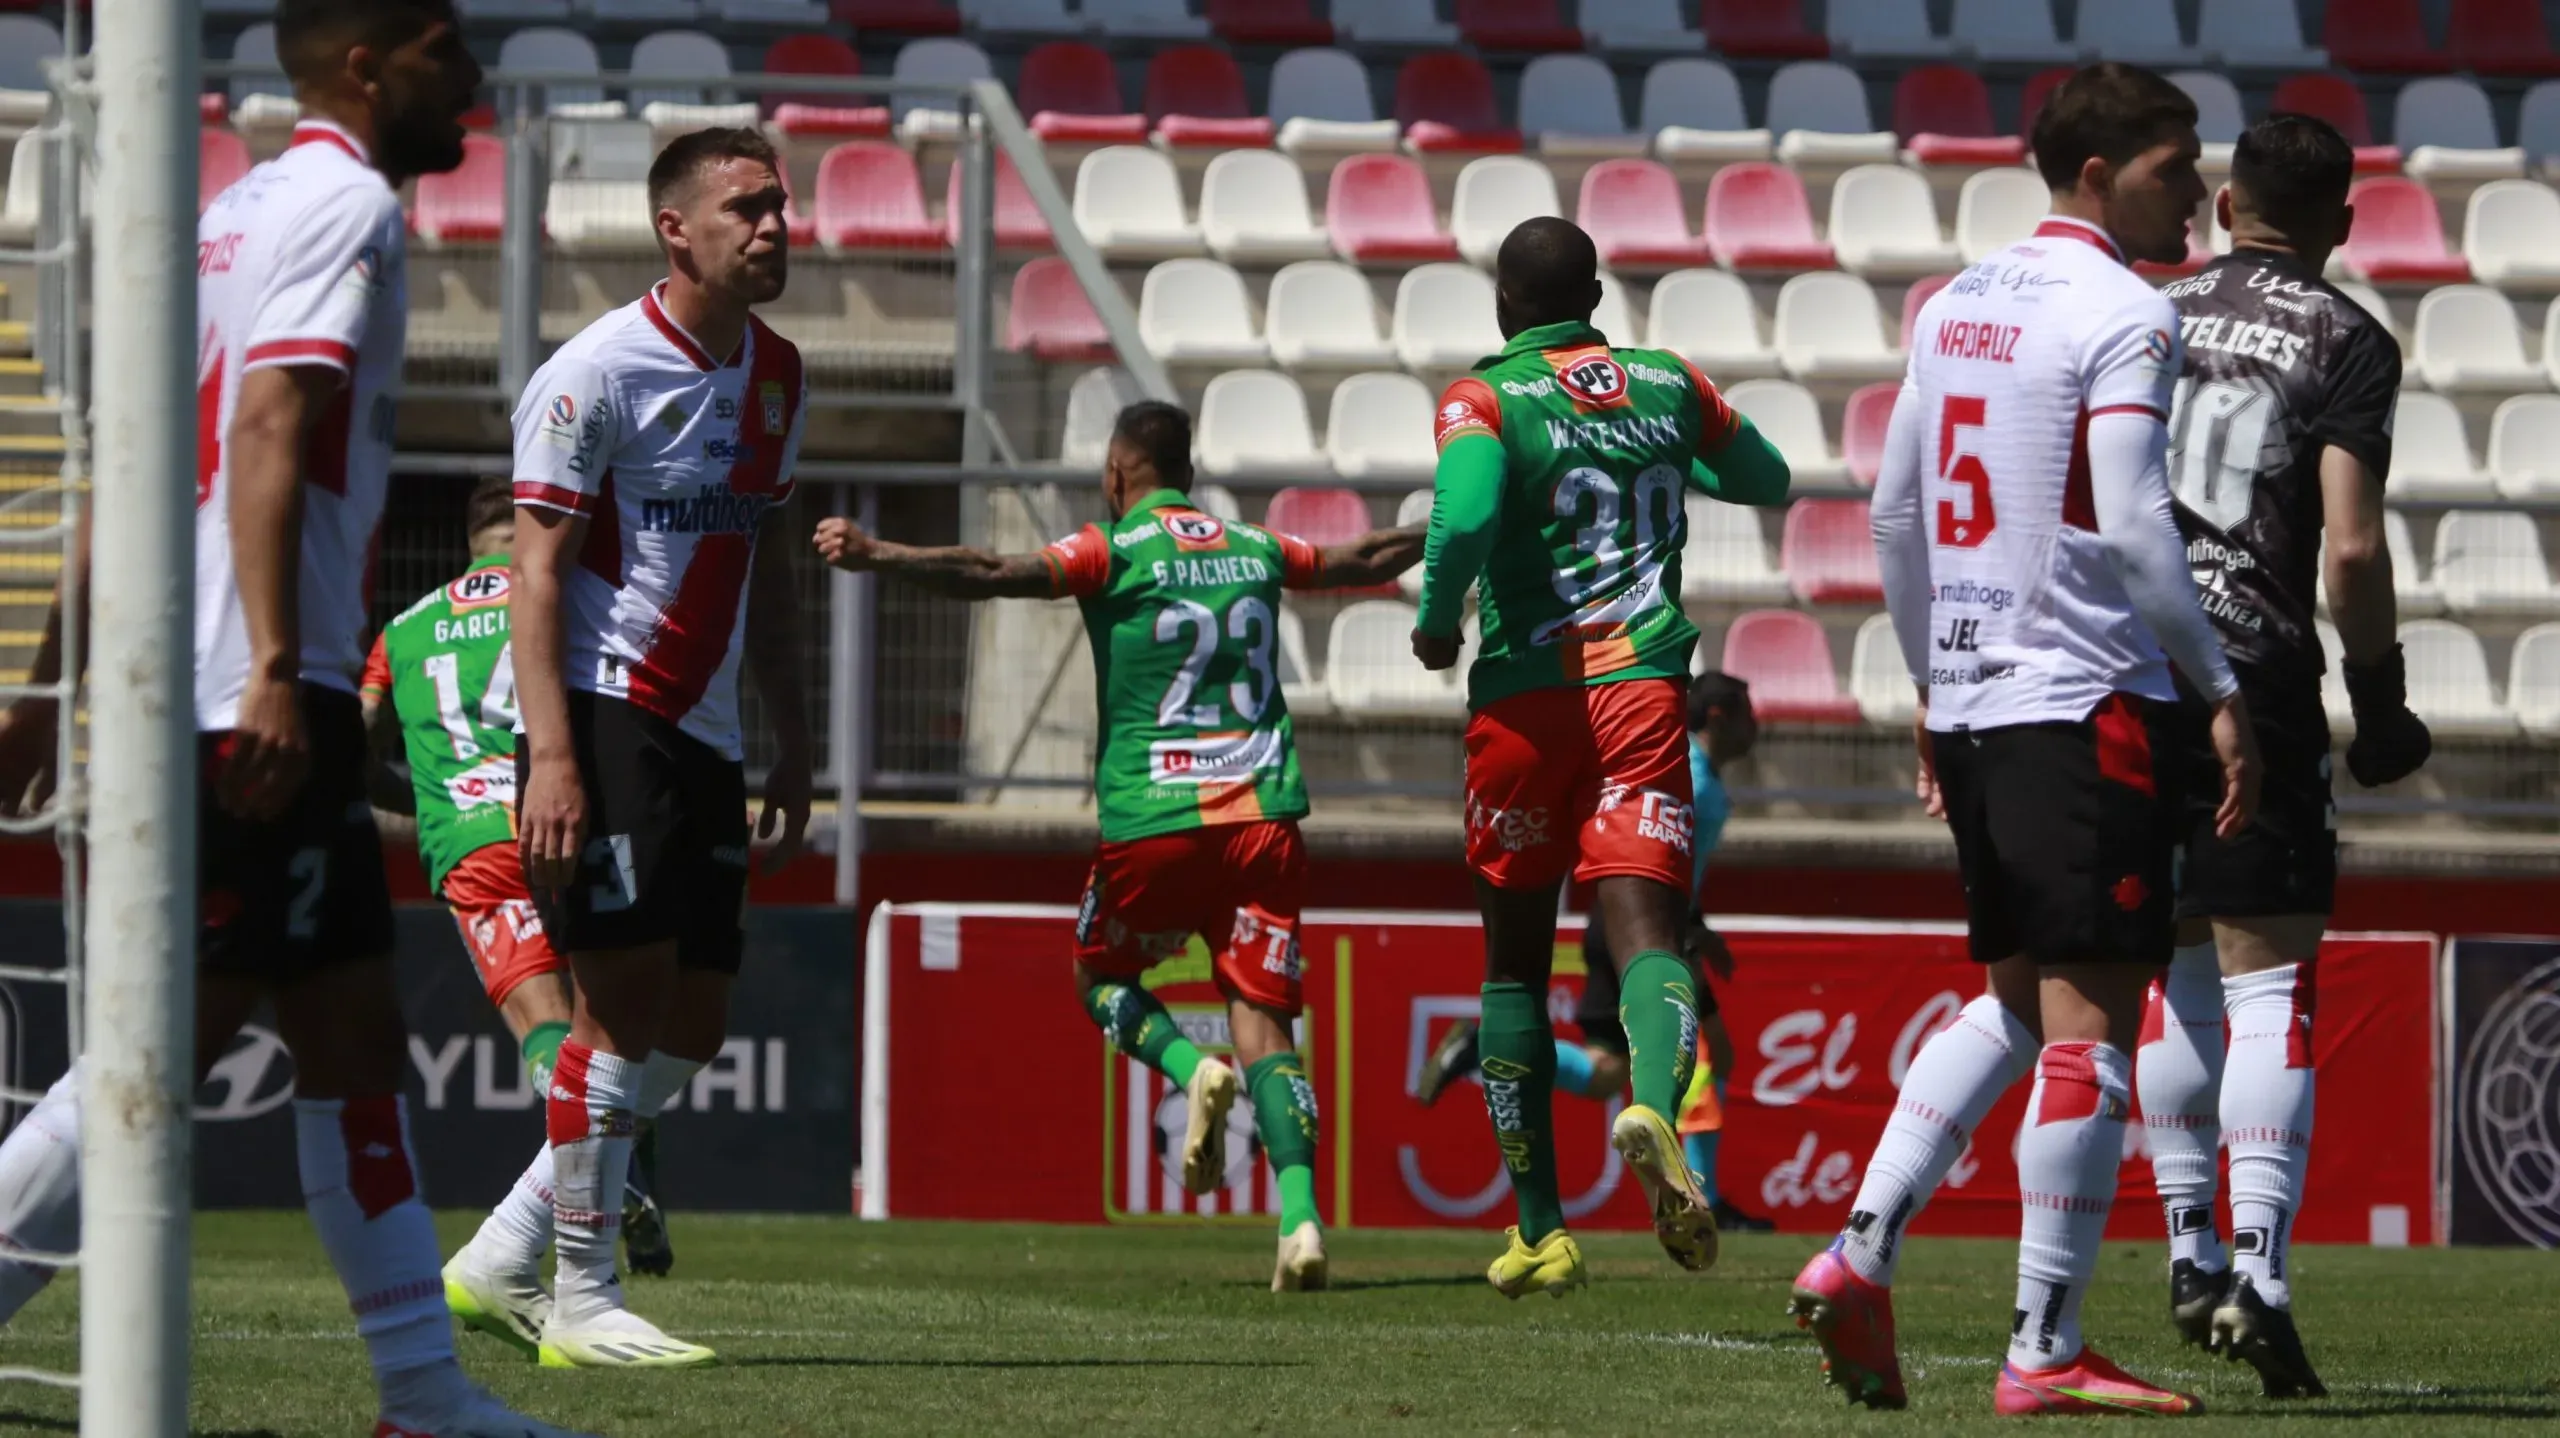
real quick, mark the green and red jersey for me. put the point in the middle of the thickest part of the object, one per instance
(446, 668)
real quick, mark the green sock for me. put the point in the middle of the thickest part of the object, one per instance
(1138, 1026)
(1284, 1109)
(1658, 1003)
(542, 1051)
(1518, 1064)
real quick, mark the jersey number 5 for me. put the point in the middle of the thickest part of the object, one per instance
(1968, 528)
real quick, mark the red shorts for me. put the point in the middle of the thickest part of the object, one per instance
(494, 910)
(1239, 882)
(1599, 774)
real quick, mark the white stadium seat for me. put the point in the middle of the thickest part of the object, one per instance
(1216, 500)
(1379, 427)
(2137, 32)
(2444, 130)
(1818, 110)
(2524, 447)
(1320, 99)
(2449, 679)
(1709, 318)
(1786, 414)
(1495, 193)
(1094, 403)
(2533, 680)
(2468, 342)
(1998, 208)
(1693, 110)
(2430, 454)
(1128, 203)
(2256, 34)
(1253, 209)
(1255, 422)
(1628, 26)
(1884, 224)
(1369, 666)
(1023, 17)
(1828, 327)
(944, 61)
(1321, 315)
(255, 45)
(1878, 680)
(2508, 230)
(1413, 509)
(1146, 19)
(2410, 583)
(1728, 556)
(1444, 317)
(679, 56)
(1569, 105)
(2490, 561)
(1886, 29)
(1615, 319)
(1197, 312)
(548, 48)
(2018, 32)
(1395, 22)
(2370, 300)
(1299, 682)
(2538, 128)
(2219, 116)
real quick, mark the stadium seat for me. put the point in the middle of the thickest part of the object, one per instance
(476, 12)
(1196, 312)
(1378, 209)
(1757, 219)
(812, 113)
(1050, 317)
(1727, 558)
(1395, 23)
(255, 45)
(1516, 25)
(676, 57)
(898, 17)
(2524, 447)
(1072, 94)
(2137, 32)
(1878, 679)
(2256, 35)
(2371, 302)
(1708, 318)
(1254, 422)
(1785, 413)
(2398, 238)
(2336, 99)
(2410, 583)
(1884, 223)
(2010, 32)
(1827, 328)
(1253, 209)
(1828, 553)
(640, 12)
(543, 49)
(1943, 114)
(1632, 210)
(770, 14)
(2468, 342)
(222, 157)
(1629, 27)
(2538, 128)
(2430, 454)
(1019, 225)
(598, 201)
(2533, 680)
(1217, 501)
(1413, 509)
(1444, 104)
(2038, 89)
(1320, 100)
(1998, 208)
(2500, 37)
(2491, 561)
(1022, 17)
(1322, 316)
(1299, 684)
(1881, 30)
(1444, 317)
(1494, 194)
(1094, 403)
(1693, 110)
(28, 41)
(1862, 427)
(1146, 19)
(2449, 679)
(465, 206)
(2382, 37)
(1128, 203)
(2445, 132)
(2219, 117)
(1379, 427)
(1760, 30)
(1818, 111)
(869, 197)
(1196, 98)
(1269, 22)
(1569, 105)
(1917, 296)
(941, 61)
(1615, 318)
(1369, 668)
(1319, 514)
(1785, 658)
(2551, 343)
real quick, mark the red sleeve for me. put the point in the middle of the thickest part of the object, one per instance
(1717, 419)
(1079, 564)
(1301, 565)
(1467, 407)
(377, 671)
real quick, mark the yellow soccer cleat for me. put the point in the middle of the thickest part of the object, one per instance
(1554, 1265)
(1303, 1267)
(1204, 1143)
(1681, 1220)
(617, 1338)
(511, 1310)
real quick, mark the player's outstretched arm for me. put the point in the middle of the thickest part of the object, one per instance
(774, 652)
(952, 569)
(1374, 558)
(551, 813)
(2391, 742)
(1747, 470)
(269, 424)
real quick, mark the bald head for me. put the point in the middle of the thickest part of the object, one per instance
(1547, 273)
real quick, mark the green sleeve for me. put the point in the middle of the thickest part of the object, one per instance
(1466, 506)
(1748, 470)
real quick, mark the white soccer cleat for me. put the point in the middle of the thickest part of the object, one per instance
(481, 1416)
(509, 1308)
(1204, 1140)
(616, 1338)
(1302, 1267)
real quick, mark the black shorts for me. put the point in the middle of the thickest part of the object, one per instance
(2065, 834)
(2286, 861)
(666, 854)
(282, 899)
(1597, 1011)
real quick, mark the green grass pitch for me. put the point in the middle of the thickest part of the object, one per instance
(830, 1326)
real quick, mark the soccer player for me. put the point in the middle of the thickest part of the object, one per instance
(1564, 464)
(2034, 573)
(302, 312)
(2281, 434)
(654, 455)
(1196, 778)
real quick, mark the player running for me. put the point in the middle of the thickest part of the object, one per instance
(1564, 464)
(654, 455)
(2281, 433)
(1196, 777)
(302, 312)
(2034, 572)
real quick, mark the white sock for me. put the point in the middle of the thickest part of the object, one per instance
(360, 1187)
(2068, 1155)
(2266, 1118)
(593, 1097)
(662, 1077)
(511, 1241)
(2178, 1072)
(1953, 1081)
(40, 1191)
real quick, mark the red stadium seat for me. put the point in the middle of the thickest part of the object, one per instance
(871, 198)
(1632, 210)
(223, 157)
(1516, 25)
(1783, 656)
(1758, 219)
(1378, 208)
(2385, 36)
(2501, 37)
(1444, 104)
(1268, 22)
(2398, 237)
(1943, 114)
(903, 17)
(1319, 515)
(1051, 318)
(1760, 30)
(2039, 88)
(1072, 94)
(1914, 298)
(1019, 225)
(1862, 430)
(2336, 99)
(1195, 96)
(1828, 553)
(467, 205)
(819, 114)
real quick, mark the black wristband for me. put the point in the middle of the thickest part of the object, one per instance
(2381, 685)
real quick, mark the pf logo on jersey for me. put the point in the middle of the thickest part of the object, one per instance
(1595, 379)
(1193, 530)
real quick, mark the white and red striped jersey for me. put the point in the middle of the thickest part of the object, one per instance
(673, 458)
(302, 261)
(2028, 619)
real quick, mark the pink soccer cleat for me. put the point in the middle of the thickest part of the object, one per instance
(1853, 1321)
(2087, 1384)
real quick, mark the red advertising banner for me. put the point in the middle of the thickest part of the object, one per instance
(988, 1095)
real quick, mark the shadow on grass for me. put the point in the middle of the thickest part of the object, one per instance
(13, 1420)
(843, 1361)
(2472, 1402)
(1355, 1285)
